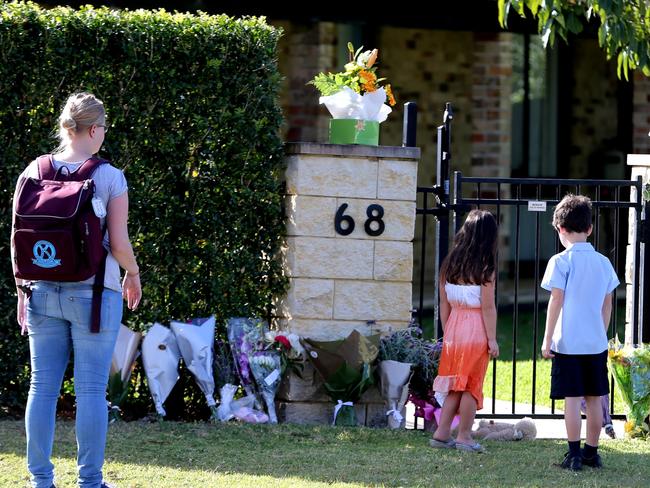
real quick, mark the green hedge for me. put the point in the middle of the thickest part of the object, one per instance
(192, 101)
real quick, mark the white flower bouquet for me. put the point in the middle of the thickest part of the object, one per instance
(267, 371)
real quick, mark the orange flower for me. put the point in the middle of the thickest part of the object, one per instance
(389, 94)
(359, 75)
(368, 80)
(367, 76)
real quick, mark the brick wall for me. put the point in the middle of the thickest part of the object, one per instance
(429, 68)
(304, 51)
(491, 106)
(473, 71)
(641, 116)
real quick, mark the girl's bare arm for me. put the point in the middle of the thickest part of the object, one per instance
(489, 312)
(445, 308)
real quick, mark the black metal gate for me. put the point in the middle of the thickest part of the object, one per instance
(523, 207)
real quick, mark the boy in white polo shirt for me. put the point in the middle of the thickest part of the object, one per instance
(581, 282)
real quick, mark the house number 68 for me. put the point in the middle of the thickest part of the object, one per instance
(344, 224)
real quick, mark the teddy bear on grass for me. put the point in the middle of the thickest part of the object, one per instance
(497, 431)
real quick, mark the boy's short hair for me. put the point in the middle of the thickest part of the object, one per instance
(573, 213)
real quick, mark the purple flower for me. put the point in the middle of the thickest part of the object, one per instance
(243, 367)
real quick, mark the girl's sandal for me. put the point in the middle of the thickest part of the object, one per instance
(476, 447)
(448, 444)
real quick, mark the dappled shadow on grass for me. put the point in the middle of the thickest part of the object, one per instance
(324, 454)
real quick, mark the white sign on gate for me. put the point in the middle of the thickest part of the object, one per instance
(536, 206)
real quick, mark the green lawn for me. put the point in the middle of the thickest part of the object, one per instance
(525, 348)
(202, 455)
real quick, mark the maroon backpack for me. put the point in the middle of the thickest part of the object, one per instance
(57, 235)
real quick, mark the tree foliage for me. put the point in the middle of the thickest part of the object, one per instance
(623, 31)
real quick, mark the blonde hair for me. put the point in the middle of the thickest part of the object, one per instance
(82, 110)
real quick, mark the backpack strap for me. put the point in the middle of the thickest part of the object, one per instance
(87, 169)
(85, 172)
(98, 288)
(45, 167)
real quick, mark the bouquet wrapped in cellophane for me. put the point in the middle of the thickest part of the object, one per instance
(260, 357)
(346, 367)
(397, 355)
(245, 336)
(123, 361)
(630, 367)
(195, 342)
(288, 347)
(266, 369)
(226, 380)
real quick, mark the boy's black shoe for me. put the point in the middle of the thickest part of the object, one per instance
(594, 461)
(572, 462)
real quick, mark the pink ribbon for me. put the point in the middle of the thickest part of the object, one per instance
(422, 408)
(428, 411)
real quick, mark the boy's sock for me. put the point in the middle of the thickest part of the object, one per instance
(590, 456)
(574, 448)
(573, 458)
(589, 451)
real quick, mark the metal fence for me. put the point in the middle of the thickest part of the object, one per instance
(523, 208)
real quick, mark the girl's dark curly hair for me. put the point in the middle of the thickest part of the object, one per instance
(472, 260)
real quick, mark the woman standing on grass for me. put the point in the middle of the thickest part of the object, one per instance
(57, 315)
(468, 316)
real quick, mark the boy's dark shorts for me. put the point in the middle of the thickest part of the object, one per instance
(578, 375)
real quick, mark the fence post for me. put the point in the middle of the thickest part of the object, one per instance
(637, 263)
(409, 127)
(442, 221)
(644, 316)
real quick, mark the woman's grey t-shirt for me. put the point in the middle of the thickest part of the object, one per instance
(109, 183)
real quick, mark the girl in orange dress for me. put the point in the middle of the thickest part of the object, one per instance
(468, 316)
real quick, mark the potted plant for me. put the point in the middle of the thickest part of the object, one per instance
(356, 99)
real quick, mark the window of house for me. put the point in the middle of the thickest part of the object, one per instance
(534, 108)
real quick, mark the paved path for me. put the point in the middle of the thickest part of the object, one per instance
(546, 428)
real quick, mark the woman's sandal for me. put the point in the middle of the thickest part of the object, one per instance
(448, 444)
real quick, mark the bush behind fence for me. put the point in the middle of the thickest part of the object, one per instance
(192, 105)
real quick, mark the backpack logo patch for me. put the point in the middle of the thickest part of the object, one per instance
(45, 254)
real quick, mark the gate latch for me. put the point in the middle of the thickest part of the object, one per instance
(439, 193)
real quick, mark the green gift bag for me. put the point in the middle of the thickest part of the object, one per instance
(354, 131)
(344, 414)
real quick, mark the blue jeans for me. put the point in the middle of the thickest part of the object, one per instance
(58, 318)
